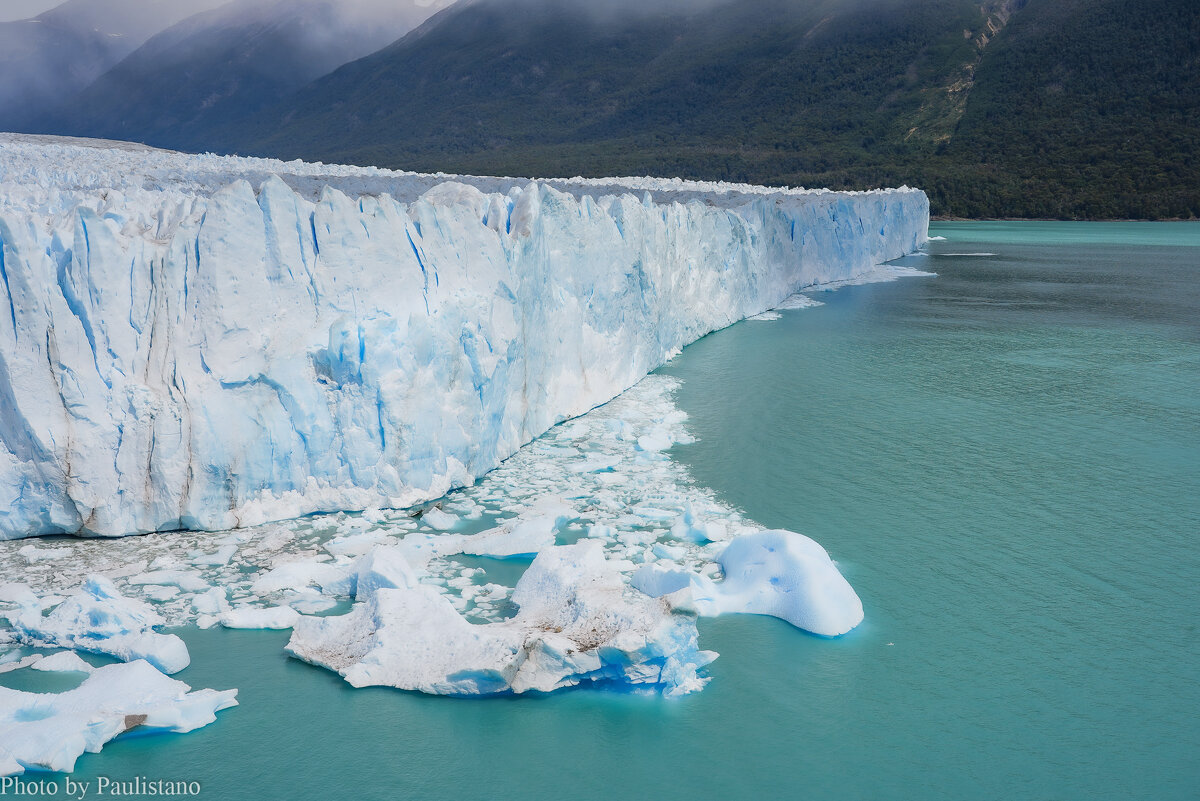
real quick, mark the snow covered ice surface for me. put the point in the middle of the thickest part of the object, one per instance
(203, 342)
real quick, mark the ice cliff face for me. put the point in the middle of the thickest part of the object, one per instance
(205, 342)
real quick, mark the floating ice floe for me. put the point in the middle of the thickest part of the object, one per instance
(578, 622)
(99, 619)
(777, 573)
(881, 273)
(437, 519)
(258, 617)
(62, 662)
(50, 731)
(529, 534)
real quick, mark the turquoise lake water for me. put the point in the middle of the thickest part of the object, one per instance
(1005, 462)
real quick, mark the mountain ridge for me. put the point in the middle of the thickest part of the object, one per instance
(1010, 108)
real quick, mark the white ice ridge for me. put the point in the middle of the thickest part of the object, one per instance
(50, 731)
(205, 342)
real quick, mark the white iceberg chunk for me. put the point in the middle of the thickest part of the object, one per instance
(784, 574)
(383, 568)
(50, 731)
(185, 580)
(63, 662)
(515, 539)
(527, 535)
(331, 579)
(255, 617)
(99, 619)
(577, 623)
(436, 518)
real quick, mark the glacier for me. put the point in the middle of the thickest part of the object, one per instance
(204, 342)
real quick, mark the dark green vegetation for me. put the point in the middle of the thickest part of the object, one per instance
(1012, 108)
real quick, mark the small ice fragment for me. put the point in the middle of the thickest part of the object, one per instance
(330, 579)
(655, 441)
(212, 602)
(436, 518)
(186, 580)
(222, 557)
(34, 554)
(63, 662)
(160, 593)
(256, 617)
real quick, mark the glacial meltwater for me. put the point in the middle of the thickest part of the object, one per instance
(1003, 459)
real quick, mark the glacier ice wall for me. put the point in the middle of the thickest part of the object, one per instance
(212, 342)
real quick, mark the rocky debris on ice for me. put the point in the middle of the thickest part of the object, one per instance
(777, 573)
(577, 623)
(97, 618)
(50, 731)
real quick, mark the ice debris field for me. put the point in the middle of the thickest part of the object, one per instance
(184, 348)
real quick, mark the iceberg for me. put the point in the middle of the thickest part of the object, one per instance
(99, 619)
(253, 617)
(50, 731)
(383, 568)
(63, 662)
(578, 622)
(778, 573)
(203, 342)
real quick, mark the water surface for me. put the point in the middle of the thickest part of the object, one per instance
(1005, 462)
